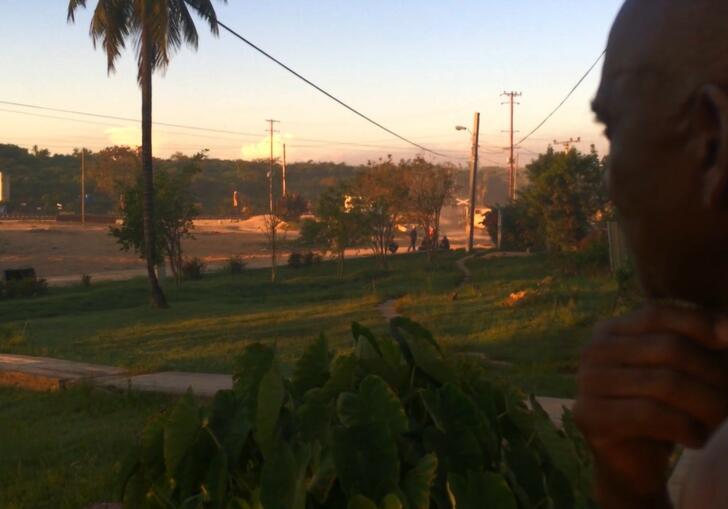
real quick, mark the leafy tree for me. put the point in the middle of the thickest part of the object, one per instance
(384, 192)
(112, 169)
(157, 29)
(431, 187)
(566, 197)
(291, 207)
(175, 212)
(341, 223)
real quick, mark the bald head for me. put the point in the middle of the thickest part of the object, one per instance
(682, 39)
(664, 100)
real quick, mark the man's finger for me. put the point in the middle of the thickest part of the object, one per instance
(659, 351)
(675, 390)
(612, 420)
(696, 325)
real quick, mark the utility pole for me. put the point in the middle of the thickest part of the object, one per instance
(473, 180)
(284, 170)
(567, 143)
(512, 159)
(83, 186)
(270, 166)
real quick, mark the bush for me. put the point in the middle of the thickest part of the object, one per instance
(236, 265)
(295, 260)
(311, 258)
(23, 288)
(193, 268)
(86, 280)
(520, 230)
(394, 424)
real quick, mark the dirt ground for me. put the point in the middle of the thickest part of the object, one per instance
(61, 252)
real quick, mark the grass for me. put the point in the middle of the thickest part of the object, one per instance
(63, 450)
(541, 335)
(211, 321)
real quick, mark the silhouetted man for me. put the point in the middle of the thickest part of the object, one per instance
(659, 377)
(413, 240)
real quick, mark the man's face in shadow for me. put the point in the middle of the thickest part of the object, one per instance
(668, 128)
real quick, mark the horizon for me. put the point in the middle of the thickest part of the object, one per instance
(417, 60)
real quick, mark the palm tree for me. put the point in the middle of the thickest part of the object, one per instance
(157, 28)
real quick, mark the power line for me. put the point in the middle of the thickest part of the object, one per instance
(327, 94)
(571, 92)
(178, 126)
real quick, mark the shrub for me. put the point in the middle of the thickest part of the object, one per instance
(23, 288)
(193, 268)
(236, 265)
(295, 260)
(86, 280)
(394, 424)
(311, 258)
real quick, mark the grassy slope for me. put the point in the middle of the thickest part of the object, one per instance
(541, 336)
(212, 320)
(56, 450)
(64, 450)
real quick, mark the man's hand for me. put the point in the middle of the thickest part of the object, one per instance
(648, 381)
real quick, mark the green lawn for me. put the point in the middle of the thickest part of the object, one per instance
(212, 320)
(64, 450)
(541, 335)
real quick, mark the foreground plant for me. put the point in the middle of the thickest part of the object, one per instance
(394, 425)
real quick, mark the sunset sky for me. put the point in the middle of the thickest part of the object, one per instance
(420, 67)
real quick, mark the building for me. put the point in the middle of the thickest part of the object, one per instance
(4, 187)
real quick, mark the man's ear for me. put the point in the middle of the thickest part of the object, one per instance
(715, 186)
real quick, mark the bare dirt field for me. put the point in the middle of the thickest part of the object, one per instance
(61, 252)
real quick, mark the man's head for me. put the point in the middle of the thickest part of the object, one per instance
(664, 101)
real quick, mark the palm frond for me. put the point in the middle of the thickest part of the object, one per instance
(110, 28)
(73, 5)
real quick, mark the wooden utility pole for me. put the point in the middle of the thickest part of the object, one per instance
(270, 166)
(473, 181)
(284, 170)
(512, 159)
(83, 186)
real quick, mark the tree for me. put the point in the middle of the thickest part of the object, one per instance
(271, 223)
(176, 210)
(431, 187)
(157, 30)
(566, 197)
(340, 223)
(384, 192)
(291, 207)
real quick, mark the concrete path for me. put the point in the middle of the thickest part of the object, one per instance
(43, 373)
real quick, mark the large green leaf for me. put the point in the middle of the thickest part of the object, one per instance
(343, 377)
(367, 460)
(312, 369)
(527, 470)
(360, 502)
(313, 416)
(366, 345)
(271, 394)
(375, 403)
(479, 490)
(249, 371)
(458, 426)
(180, 432)
(283, 480)
(216, 482)
(323, 477)
(231, 423)
(425, 352)
(152, 447)
(417, 482)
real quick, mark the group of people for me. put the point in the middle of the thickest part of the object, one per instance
(429, 240)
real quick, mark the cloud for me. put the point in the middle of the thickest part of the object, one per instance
(129, 136)
(261, 149)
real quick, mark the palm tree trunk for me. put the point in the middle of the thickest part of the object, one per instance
(150, 244)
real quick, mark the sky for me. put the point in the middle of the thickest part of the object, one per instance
(419, 67)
